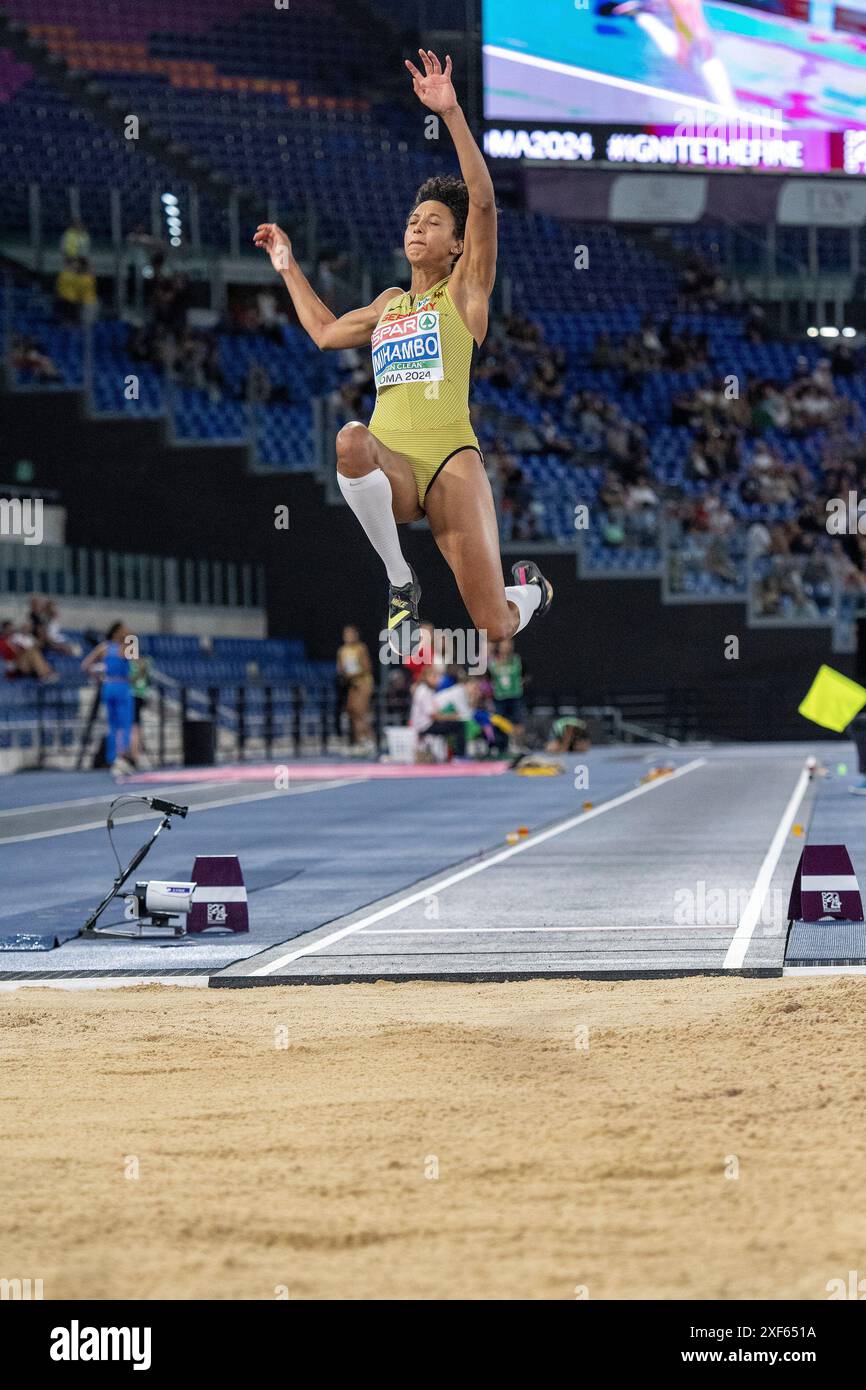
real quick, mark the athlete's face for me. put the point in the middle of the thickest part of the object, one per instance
(430, 238)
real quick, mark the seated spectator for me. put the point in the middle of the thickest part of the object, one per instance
(426, 715)
(553, 441)
(516, 496)
(650, 341)
(20, 654)
(54, 638)
(603, 352)
(641, 510)
(524, 439)
(258, 383)
(544, 383)
(28, 357)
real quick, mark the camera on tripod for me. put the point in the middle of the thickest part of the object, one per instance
(162, 903)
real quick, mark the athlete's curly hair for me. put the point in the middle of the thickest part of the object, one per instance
(447, 189)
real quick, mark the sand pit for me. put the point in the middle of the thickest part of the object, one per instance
(286, 1141)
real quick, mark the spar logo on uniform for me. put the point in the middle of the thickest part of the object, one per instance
(408, 349)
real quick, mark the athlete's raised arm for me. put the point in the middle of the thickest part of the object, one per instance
(325, 329)
(475, 272)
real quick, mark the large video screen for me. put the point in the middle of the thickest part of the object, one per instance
(785, 72)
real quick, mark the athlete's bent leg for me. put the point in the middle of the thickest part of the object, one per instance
(380, 488)
(462, 518)
(380, 493)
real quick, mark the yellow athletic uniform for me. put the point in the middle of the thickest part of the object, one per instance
(422, 362)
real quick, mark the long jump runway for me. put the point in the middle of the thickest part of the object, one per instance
(633, 886)
(354, 876)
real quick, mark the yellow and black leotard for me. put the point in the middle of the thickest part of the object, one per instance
(422, 363)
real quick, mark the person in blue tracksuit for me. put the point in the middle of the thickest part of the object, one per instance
(114, 666)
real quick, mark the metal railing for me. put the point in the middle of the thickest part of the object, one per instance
(66, 571)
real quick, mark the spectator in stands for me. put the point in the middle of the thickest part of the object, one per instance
(506, 679)
(844, 360)
(756, 324)
(144, 255)
(524, 439)
(8, 654)
(332, 283)
(271, 318)
(28, 357)
(190, 360)
(20, 654)
(568, 734)
(140, 682)
(257, 388)
(489, 731)
(650, 341)
(516, 497)
(75, 242)
(36, 620)
(76, 292)
(641, 505)
(545, 384)
(602, 352)
(427, 716)
(355, 672)
(552, 439)
(428, 652)
(701, 285)
(168, 301)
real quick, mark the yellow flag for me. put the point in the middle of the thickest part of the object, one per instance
(833, 700)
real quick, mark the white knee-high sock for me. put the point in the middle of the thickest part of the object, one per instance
(716, 78)
(663, 37)
(526, 598)
(370, 499)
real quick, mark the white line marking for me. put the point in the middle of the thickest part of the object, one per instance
(749, 920)
(794, 970)
(473, 931)
(202, 806)
(625, 84)
(844, 883)
(108, 982)
(100, 800)
(472, 869)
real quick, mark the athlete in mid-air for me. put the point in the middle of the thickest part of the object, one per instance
(419, 456)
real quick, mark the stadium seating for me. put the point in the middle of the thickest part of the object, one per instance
(253, 96)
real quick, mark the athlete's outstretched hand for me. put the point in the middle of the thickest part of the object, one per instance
(274, 240)
(433, 86)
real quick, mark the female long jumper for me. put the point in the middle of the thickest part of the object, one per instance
(419, 455)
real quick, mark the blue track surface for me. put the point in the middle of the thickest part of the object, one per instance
(316, 854)
(307, 858)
